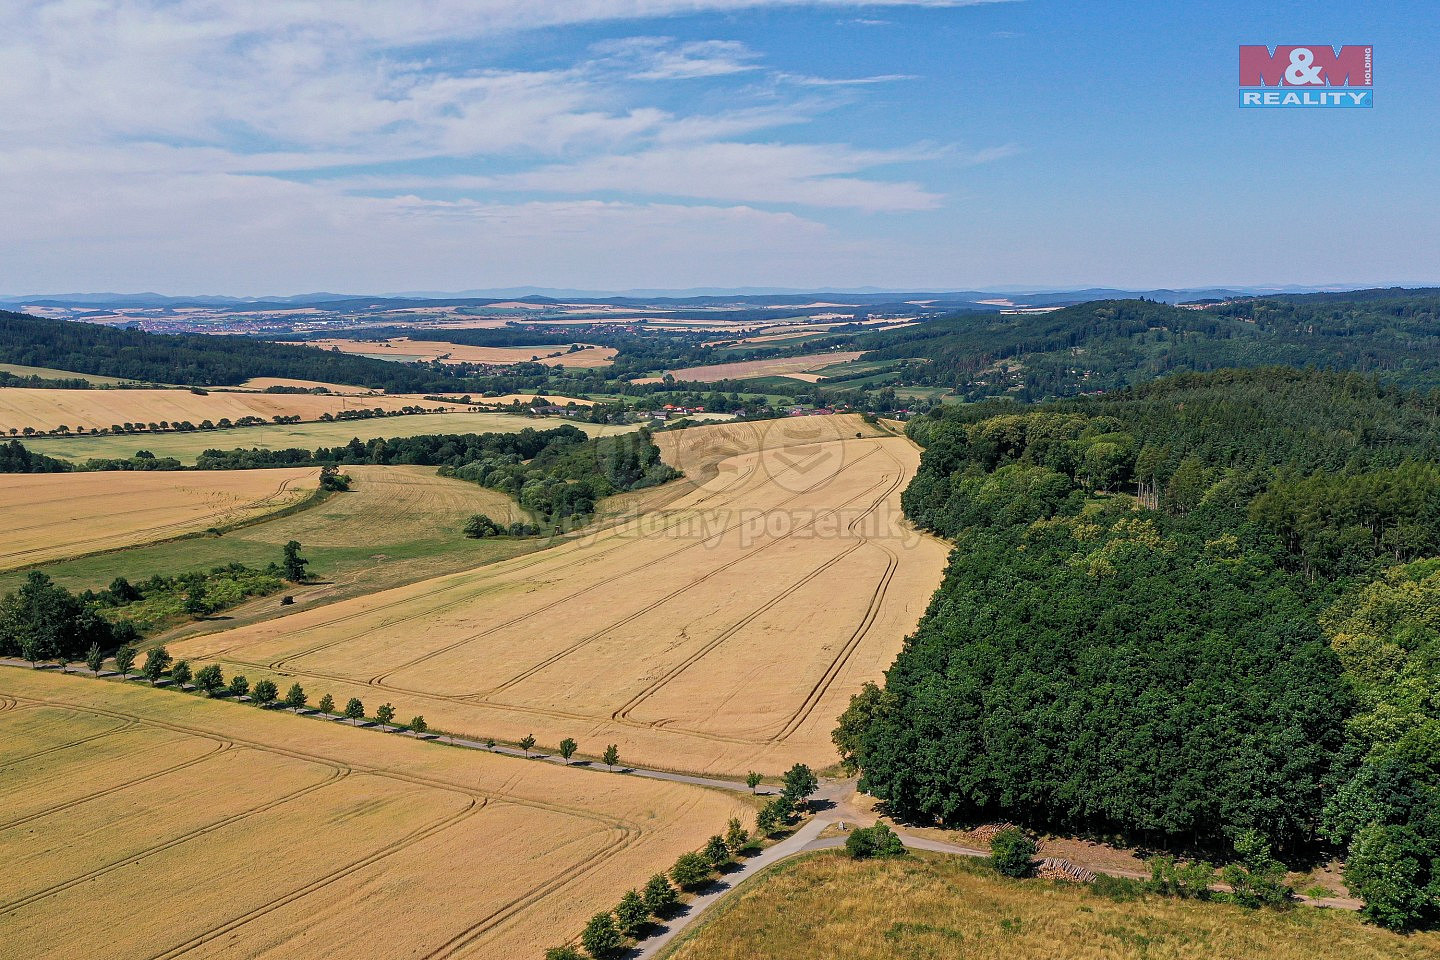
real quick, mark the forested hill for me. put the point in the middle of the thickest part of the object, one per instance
(193, 359)
(1186, 614)
(1110, 344)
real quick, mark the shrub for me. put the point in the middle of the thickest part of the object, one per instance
(563, 953)
(1011, 851)
(1386, 869)
(1257, 879)
(1189, 881)
(877, 841)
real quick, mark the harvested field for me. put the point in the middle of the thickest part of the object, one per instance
(722, 625)
(50, 373)
(776, 367)
(236, 832)
(49, 516)
(263, 383)
(46, 410)
(189, 445)
(827, 905)
(407, 350)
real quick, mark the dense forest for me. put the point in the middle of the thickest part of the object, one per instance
(1177, 614)
(195, 359)
(1110, 344)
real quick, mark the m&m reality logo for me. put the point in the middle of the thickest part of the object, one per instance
(1312, 75)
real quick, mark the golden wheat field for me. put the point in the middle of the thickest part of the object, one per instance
(214, 829)
(49, 516)
(721, 625)
(44, 409)
(774, 367)
(403, 348)
(930, 907)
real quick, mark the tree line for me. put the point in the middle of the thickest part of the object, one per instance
(1144, 628)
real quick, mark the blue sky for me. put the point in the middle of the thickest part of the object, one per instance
(368, 145)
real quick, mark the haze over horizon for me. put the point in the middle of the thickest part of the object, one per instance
(936, 145)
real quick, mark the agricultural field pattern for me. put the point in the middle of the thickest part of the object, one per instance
(720, 631)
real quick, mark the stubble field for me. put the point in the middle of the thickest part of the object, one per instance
(722, 626)
(46, 409)
(49, 516)
(410, 351)
(220, 830)
(746, 369)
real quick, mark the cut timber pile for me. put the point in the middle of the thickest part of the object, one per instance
(1056, 868)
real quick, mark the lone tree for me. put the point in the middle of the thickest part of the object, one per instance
(690, 871)
(384, 715)
(752, 780)
(480, 526)
(354, 710)
(94, 659)
(294, 564)
(125, 660)
(660, 895)
(418, 725)
(239, 686)
(1011, 851)
(295, 697)
(527, 743)
(157, 660)
(631, 913)
(489, 743)
(567, 749)
(209, 680)
(180, 673)
(602, 938)
(326, 705)
(800, 783)
(265, 693)
(611, 756)
(877, 841)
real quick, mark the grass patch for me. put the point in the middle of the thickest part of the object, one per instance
(929, 906)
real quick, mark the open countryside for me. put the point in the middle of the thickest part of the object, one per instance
(405, 349)
(723, 632)
(52, 517)
(294, 836)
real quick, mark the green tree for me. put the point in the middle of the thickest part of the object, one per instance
(849, 735)
(716, 851)
(611, 756)
(1386, 867)
(125, 660)
(326, 705)
(691, 870)
(631, 914)
(563, 953)
(660, 895)
(239, 686)
(197, 600)
(567, 749)
(384, 715)
(752, 780)
(354, 709)
(32, 648)
(94, 659)
(295, 697)
(180, 672)
(157, 661)
(602, 938)
(265, 693)
(209, 680)
(736, 836)
(1256, 879)
(54, 620)
(1188, 881)
(526, 743)
(480, 526)
(1011, 852)
(293, 564)
(765, 821)
(800, 783)
(864, 843)
(418, 725)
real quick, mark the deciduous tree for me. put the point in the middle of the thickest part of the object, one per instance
(567, 749)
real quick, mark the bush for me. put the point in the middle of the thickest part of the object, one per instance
(877, 841)
(1257, 879)
(1011, 851)
(1188, 881)
(480, 526)
(692, 870)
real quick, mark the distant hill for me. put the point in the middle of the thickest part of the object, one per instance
(194, 359)
(1108, 344)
